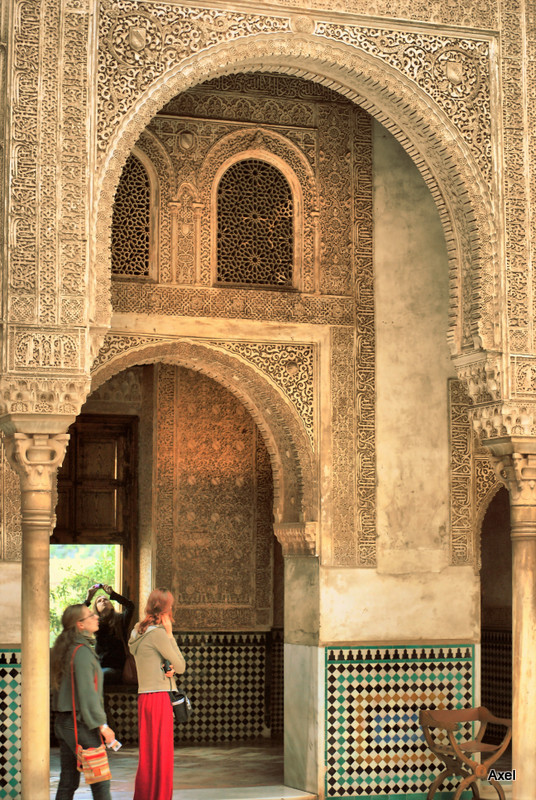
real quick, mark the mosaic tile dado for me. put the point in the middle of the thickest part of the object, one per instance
(10, 682)
(374, 744)
(235, 683)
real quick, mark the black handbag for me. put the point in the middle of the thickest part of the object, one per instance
(181, 705)
(180, 702)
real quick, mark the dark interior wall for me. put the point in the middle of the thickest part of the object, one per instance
(496, 604)
(496, 571)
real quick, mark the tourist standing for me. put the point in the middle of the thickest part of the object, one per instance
(152, 644)
(112, 634)
(79, 627)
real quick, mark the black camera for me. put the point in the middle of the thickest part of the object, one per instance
(166, 665)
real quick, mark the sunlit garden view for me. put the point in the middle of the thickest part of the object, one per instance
(73, 569)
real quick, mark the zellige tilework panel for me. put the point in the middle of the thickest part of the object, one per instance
(374, 744)
(10, 683)
(230, 683)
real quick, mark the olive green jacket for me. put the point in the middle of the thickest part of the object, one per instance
(88, 685)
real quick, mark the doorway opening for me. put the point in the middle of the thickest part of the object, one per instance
(74, 568)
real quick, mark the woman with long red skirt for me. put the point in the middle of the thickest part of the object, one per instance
(152, 643)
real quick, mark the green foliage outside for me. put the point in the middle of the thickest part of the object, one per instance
(73, 569)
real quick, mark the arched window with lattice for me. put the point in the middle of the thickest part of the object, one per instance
(132, 236)
(255, 226)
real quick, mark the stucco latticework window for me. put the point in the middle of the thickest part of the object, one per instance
(255, 225)
(131, 222)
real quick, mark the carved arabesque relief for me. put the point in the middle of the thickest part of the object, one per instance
(291, 367)
(473, 482)
(295, 487)
(48, 179)
(215, 466)
(10, 507)
(399, 103)
(454, 71)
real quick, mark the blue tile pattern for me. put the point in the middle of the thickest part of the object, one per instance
(10, 683)
(374, 744)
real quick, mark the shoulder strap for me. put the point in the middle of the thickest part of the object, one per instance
(72, 689)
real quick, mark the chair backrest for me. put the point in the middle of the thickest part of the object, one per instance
(447, 717)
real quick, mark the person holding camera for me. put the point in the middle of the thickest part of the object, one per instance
(79, 628)
(152, 644)
(112, 634)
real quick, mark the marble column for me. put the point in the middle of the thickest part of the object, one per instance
(36, 459)
(515, 463)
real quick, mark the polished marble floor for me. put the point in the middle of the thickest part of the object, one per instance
(220, 772)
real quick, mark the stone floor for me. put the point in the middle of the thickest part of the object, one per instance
(223, 772)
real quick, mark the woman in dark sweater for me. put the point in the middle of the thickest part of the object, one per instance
(111, 637)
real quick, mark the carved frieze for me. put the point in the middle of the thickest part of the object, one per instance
(52, 349)
(11, 531)
(58, 396)
(232, 304)
(518, 176)
(345, 546)
(472, 479)
(47, 200)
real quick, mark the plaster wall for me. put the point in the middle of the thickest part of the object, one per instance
(413, 595)
(412, 366)
(365, 606)
(10, 602)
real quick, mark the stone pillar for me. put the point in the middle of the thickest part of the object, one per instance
(515, 464)
(36, 459)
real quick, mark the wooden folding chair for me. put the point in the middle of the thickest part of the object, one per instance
(458, 754)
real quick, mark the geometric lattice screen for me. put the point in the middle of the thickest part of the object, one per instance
(10, 689)
(131, 222)
(255, 225)
(374, 744)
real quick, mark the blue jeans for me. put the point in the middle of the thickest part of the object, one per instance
(69, 775)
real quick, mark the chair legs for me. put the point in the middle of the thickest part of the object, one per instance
(498, 788)
(437, 783)
(470, 780)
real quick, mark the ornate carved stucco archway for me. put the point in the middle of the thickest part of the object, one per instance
(427, 120)
(286, 437)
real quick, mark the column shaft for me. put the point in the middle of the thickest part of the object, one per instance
(524, 651)
(36, 529)
(36, 459)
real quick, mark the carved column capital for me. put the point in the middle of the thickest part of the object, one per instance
(36, 457)
(514, 461)
(481, 372)
(297, 538)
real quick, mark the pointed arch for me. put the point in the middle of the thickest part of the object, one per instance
(445, 161)
(292, 459)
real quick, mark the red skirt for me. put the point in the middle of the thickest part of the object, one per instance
(154, 778)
